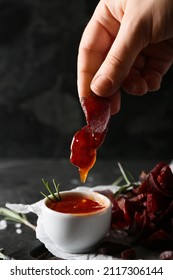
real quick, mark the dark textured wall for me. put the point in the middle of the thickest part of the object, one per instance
(39, 108)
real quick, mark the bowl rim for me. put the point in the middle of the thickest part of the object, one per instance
(107, 205)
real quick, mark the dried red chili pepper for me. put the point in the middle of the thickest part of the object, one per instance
(87, 140)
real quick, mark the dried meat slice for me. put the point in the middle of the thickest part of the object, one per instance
(87, 140)
(159, 180)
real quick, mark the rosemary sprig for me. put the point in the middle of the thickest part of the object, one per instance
(56, 195)
(129, 181)
(118, 181)
(13, 216)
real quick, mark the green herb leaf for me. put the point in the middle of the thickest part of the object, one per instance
(13, 216)
(118, 181)
(55, 195)
(129, 182)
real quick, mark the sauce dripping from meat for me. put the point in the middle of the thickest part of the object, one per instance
(87, 140)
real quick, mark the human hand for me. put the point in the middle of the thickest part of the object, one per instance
(128, 44)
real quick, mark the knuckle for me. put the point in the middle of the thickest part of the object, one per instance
(114, 62)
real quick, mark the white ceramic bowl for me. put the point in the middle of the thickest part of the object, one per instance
(77, 233)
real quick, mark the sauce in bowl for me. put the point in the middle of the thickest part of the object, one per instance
(78, 222)
(76, 204)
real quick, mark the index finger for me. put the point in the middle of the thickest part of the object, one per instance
(96, 41)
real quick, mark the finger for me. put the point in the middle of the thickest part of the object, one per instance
(95, 43)
(115, 101)
(129, 42)
(135, 84)
(153, 73)
(160, 58)
(149, 69)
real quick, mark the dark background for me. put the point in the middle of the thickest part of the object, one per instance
(39, 107)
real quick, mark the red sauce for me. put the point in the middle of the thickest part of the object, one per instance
(87, 140)
(75, 205)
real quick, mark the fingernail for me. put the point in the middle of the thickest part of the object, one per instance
(102, 85)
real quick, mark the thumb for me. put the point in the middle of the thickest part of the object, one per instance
(130, 40)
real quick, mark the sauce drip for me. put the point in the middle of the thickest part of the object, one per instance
(87, 140)
(75, 205)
